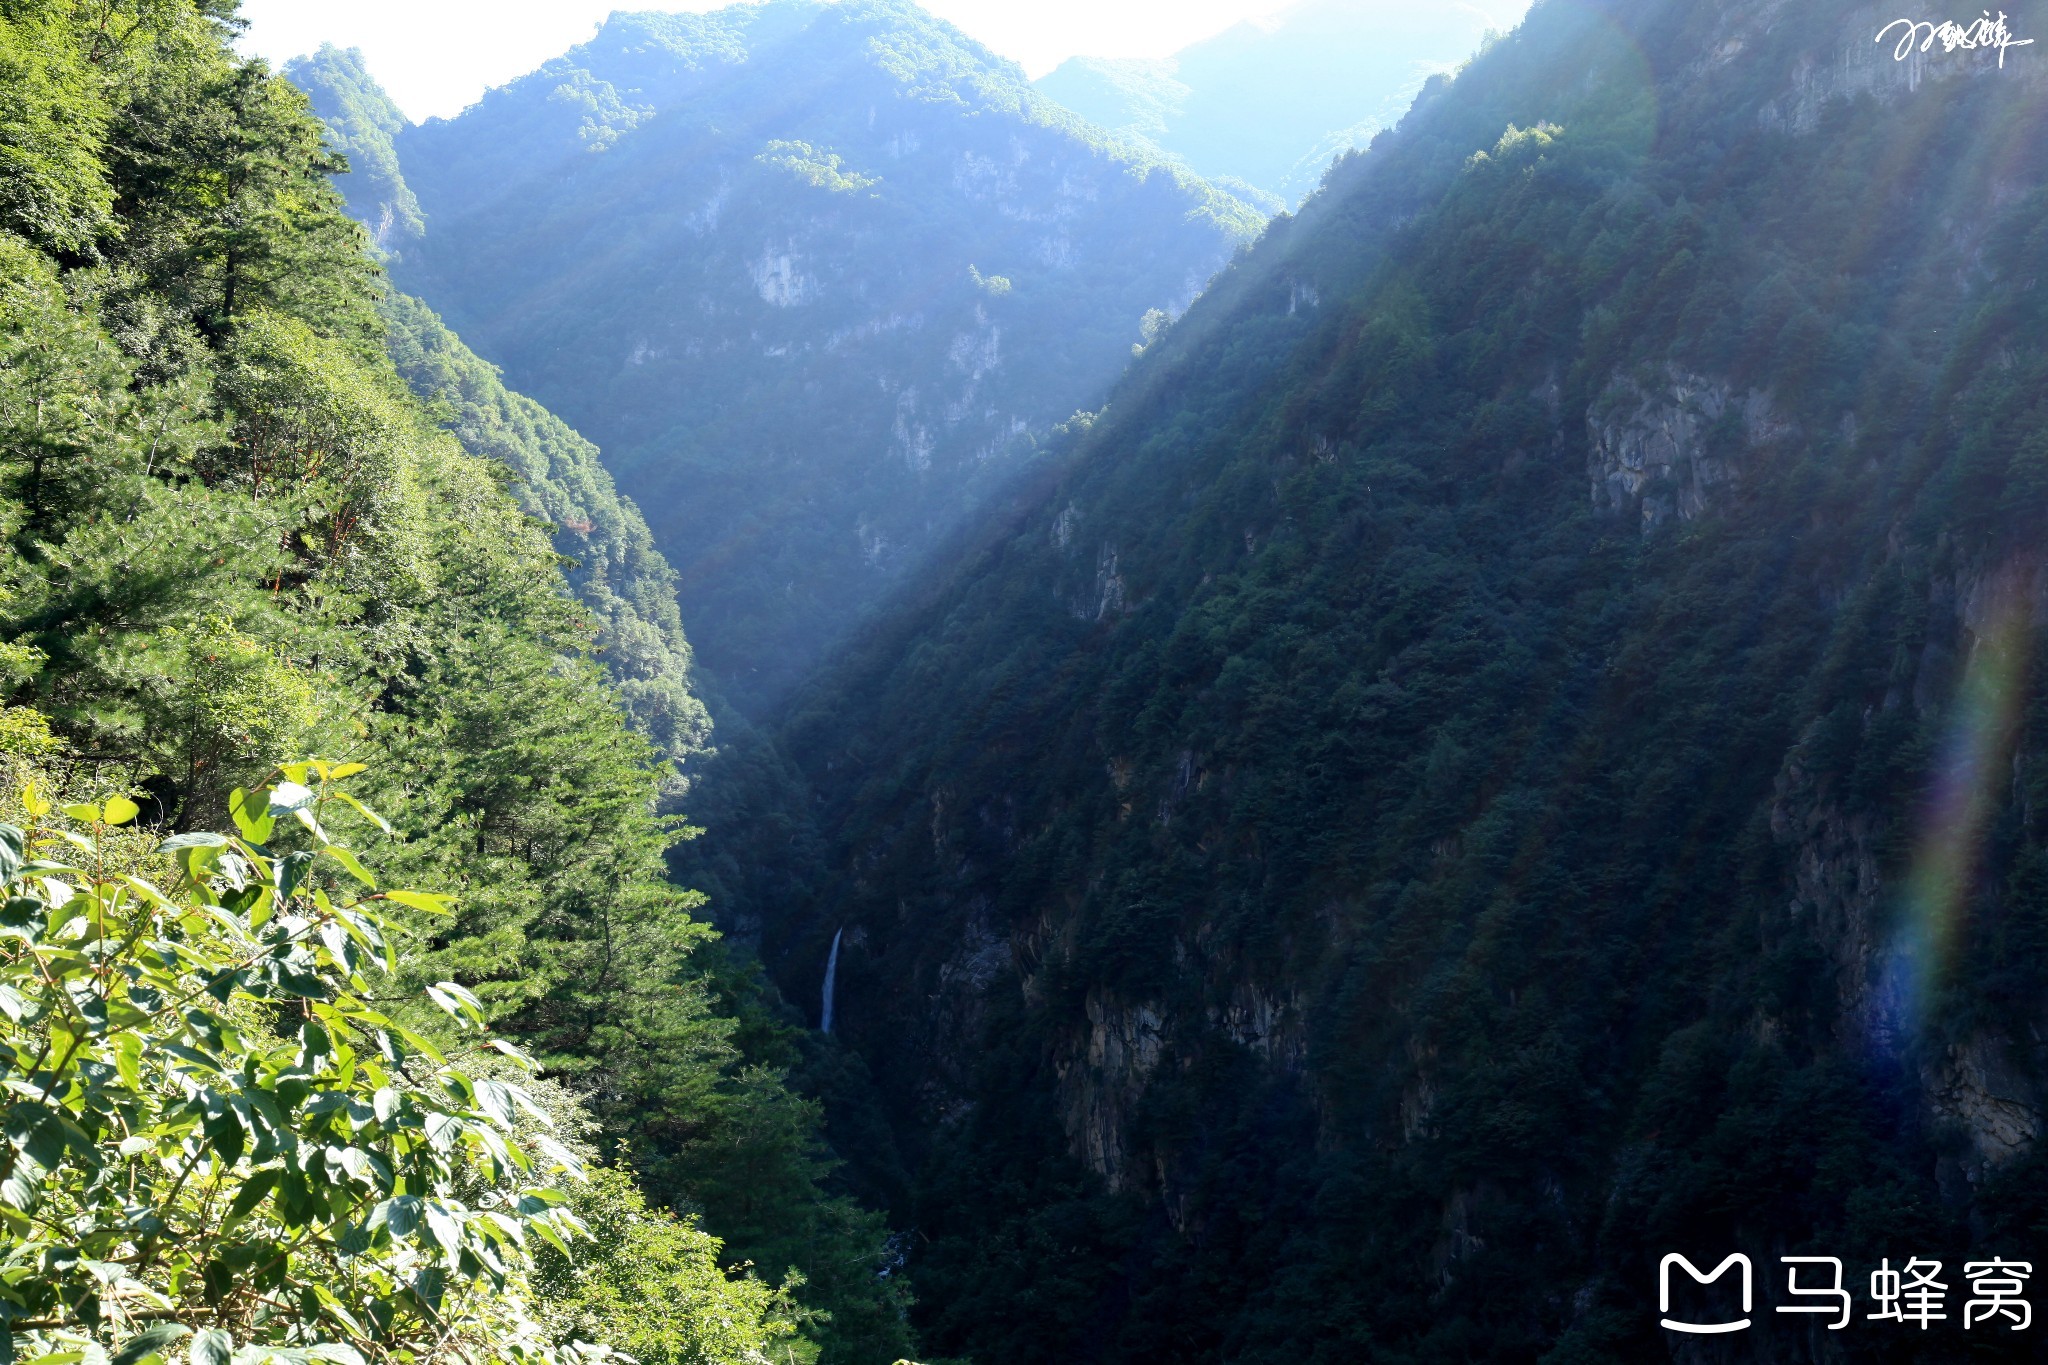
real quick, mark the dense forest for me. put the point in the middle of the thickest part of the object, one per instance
(816, 277)
(1323, 790)
(1509, 749)
(260, 510)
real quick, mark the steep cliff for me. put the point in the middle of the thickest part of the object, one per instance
(1513, 746)
(813, 276)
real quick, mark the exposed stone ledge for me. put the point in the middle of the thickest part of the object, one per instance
(1660, 446)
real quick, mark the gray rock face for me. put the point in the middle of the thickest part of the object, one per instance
(1663, 446)
(1975, 1087)
(1873, 57)
(1102, 1085)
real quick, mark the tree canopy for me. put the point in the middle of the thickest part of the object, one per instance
(256, 507)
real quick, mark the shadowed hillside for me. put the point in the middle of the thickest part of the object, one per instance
(1513, 747)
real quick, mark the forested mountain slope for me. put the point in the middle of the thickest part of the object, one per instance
(608, 554)
(363, 125)
(1269, 104)
(813, 276)
(614, 568)
(1513, 747)
(234, 538)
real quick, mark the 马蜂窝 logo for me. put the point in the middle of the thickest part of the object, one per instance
(1664, 1292)
(1913, 1294)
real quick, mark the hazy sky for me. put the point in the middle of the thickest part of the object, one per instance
(436, 56)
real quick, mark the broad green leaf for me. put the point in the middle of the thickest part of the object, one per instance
(13, 844)
(120, 810)
(287, 797)
(464, 994)
(153, 1342)
(379, 821)
(445, 1130)
(495, 1099)
(526, 1102)
(211, 1347)
(150, 893)
(348, 860)
(561, 1157)
(448, 1001)
(444, 1228)
(252, 1193)
(554, 1238)
(255, 825)
(401, 1214)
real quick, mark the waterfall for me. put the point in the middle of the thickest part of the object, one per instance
(831, 972)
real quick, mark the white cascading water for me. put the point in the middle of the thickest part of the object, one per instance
(831, 971)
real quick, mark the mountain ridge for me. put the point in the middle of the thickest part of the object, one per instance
(808, 341)
(1323, 76)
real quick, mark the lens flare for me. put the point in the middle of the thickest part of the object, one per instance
(1974, 763)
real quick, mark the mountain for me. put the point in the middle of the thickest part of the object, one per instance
(1264, 107)
(363, 125)
(606, 550)
(614, 569)
(813, 276)
(1513, 747)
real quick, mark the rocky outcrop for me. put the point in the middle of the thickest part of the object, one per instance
(1111, 1062)
(1109, 584)
(1872, 54)
(1102, 1085)
(1666, 445)
(779, 278)
(1264, 1021)
(1836, 891)
(1975, 1087)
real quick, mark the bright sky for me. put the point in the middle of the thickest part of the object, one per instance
(437, 56)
